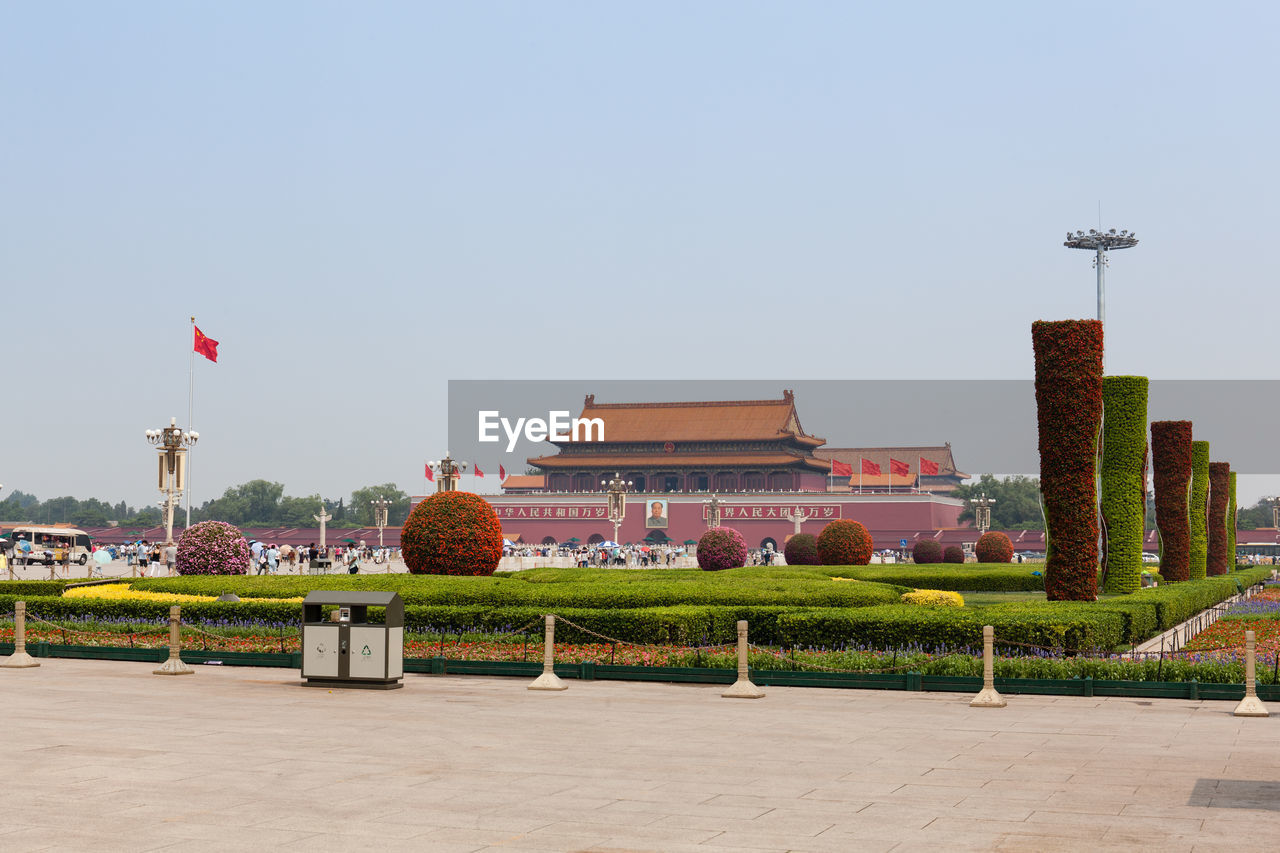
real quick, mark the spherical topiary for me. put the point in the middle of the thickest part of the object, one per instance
(802, 550)
(994, 547)
(844, 543)
(953, 554)
(927, 551)
(212, 548)
(721, 548)
(452, 533)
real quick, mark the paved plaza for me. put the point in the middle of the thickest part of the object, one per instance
(105, 756)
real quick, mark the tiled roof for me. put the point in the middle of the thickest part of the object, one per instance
(711, 461)
(524, 481)
(725, 420)
(911, 455)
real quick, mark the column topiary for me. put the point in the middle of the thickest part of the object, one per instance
(1123, 474)
(1069, 414)
(1219, 501)
(1198, 511)
(844, 543)
(1233, 514)
(1171, 470)
(452, 533)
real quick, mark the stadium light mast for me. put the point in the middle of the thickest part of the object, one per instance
(1101, 242)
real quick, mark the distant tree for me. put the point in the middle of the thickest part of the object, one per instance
(1017, 501)
(1258, 515)
(361, 511)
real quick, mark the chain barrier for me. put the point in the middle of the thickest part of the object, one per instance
(633, 644)
(65, 630)
(820, 667)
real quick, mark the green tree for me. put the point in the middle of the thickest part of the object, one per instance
(1258, 515)
(1017, 501)
(361, 511)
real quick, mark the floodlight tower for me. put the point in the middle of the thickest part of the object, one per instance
(1101, 242)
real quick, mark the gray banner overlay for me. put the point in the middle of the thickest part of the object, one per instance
(991, 424)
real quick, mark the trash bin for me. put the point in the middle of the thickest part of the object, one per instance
(351, 651)
(320, 565)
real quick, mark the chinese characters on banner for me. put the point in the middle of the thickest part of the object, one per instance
(764, 512)
(561, 512)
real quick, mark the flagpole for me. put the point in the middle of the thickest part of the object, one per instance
(191, 405)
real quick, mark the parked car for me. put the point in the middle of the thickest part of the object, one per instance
(1150, 558)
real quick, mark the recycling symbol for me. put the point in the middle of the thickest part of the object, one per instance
(365, 651)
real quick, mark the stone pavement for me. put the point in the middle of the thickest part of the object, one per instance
(105, 756)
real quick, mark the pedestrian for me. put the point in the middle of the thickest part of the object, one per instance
(142, 558)
(170, 557)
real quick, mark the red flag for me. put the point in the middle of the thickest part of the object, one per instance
(502, 472)
(479, 473)
(205, 345)
(431, 477)
(841, 469)
(928, 466)
(869, 467)
(901, 469)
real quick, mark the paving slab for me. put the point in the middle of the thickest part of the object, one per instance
(105, 756)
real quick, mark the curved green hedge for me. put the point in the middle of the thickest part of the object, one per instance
(1124, 453)
(1198, 511)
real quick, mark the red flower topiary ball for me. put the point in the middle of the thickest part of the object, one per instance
(926, 551)
(452, 533)
(721, 548)
(844, 543)
(802, 550)
(994, 547)
(953, 554)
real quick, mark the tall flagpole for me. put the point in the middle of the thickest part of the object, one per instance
(191, 405)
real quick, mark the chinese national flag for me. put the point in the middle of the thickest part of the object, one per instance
(431, 477)
(479, 473)
(928, 466)
(502, 473)
(869, 467)
(841, 469)
(898, 468)
(206, 345)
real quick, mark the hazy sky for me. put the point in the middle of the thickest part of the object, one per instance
(364, 200)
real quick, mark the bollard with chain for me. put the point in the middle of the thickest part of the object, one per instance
(1250, 705)
(988, 697)
(743, 688)
(549, 680)
(174, 665)
(19, 659)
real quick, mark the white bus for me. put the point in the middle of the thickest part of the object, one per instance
(50, 545)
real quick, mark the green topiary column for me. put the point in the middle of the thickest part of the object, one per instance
(1124, 463)
(1069, 416)
(1233, 514)
(1198, 510)
(1219, 502)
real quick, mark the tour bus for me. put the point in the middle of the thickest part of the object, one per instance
(50, 545)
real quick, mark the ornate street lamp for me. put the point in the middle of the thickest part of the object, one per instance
(172, 443)
(617, 497)
(1101, 242)
(1275, 513)
(982, 512)
(713, 511)
(380, 516)
(449, 471)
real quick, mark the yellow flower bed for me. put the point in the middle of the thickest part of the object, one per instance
(933, 598)
(122, 592)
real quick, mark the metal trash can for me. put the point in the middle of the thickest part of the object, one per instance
(319, 565)
(351, 651)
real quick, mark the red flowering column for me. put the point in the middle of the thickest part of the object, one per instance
(452, 533)
(1171, 470)
(1219, 504)
(1069, 413)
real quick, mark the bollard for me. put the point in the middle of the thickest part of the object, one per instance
(743, 688)
(174, 665)
(988, 697)
(19, 659)
(549, 680)
(1250, 705)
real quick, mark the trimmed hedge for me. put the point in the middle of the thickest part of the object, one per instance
(953, 554)
(1198, 511)
(993, 547)
(1123, 507)
(1219, 502)
(844, 543)
(1171, 470)
(926, 551)
(1068, 357)
(971, 577)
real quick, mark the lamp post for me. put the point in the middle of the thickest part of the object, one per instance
(1275, 513)
(172, 474)
(1101, 242)
(982, 512)
(617, 489)
(713, 511)
(380, 516)
(449, 470)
